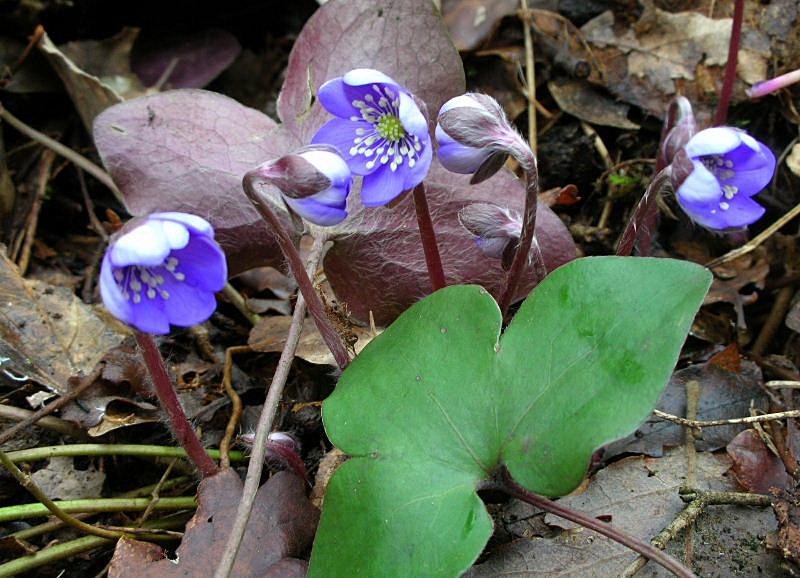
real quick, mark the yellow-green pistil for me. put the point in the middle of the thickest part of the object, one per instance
(390, 128)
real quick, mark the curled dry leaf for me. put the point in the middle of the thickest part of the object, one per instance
(755, 467)
(281, 526)
(47, 334)
(578, 98)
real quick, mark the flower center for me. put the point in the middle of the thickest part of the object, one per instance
(390, 128)
(386, 140)
(134, 280)
(722, 169)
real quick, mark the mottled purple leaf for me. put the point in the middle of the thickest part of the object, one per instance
(187, 150)
(380, 267)
(199, 58)
(406, 39)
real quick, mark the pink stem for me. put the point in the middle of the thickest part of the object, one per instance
(432, 257)
(730, 66)
(165, 391)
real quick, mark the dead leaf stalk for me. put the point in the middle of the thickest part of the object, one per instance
(66, 152)
(719, 422)
(32, 222)
(165, 391)
(774, 320)
(239, 302)
(512, 488)
(265, 421)
(430, 247)
(236, 403)
(144, 451)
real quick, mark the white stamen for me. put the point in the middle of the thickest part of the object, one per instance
(151, 293)
(393, 166)
(164, 294)
(724, 206)
(118, 275)
(180, 276)
(137, 298)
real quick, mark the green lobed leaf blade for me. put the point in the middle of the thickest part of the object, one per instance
(435, 404)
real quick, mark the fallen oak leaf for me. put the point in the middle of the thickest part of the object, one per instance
(281, 526)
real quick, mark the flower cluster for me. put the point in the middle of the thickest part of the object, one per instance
(163, 269)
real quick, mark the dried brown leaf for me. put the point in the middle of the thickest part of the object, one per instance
(755, 467)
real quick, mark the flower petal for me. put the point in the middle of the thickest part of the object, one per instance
(493, 247)
(329, 164)
(411, 117)
(458, 101)
(192, 222)
(203, 264)
(752, 170)
(112, 295)
(333, 97)
(149, 317)
(742, 211)
(383, 186)
(416, 174)
(333, 197)
(717, 140)
(316, 212)
(177, 235)
(458, 158)
(146, 244)
(700, 187)
(186, 305)
(365, 76)
(341, 134)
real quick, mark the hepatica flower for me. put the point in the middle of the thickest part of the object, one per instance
(379, 131)
(716, 174)
(496, 229)
(314, 182)
(163, 269)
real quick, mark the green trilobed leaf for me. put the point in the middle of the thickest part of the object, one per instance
(437, 402)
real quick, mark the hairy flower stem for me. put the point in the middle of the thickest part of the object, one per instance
(432, 257)
(527, 239)
(315, 306)
(265, 421)
(509, 486)
(165, 392)
(637, 228)
(730, 67)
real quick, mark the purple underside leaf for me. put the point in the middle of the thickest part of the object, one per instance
(198, 58)
(378, 264)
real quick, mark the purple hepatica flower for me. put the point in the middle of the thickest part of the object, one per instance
(380, 132)
(163, 269)
(314, 182)
(474, 136)
(717, 172)
(497, 230)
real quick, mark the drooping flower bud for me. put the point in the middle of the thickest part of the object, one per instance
(717, 172)
(475, 136)
(314, 182)
(497, 230)
(679, 127)
(163, 269)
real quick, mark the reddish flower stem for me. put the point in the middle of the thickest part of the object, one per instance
(527, 239)
(429, 245)
(730, 67)
(165, 392)
(512, 488)
(638, 227)
(315, 306)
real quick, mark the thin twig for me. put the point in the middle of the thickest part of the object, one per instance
(154, 495)
(692, 406)
(64, 151)
(430, 247)
(32, 222)
(783, 384)
(774, 320)
(265, 421)
(236, 403)
(512, 488)
(755, 241)
(720, 422)
(27, 482)
(730, 67)
(84, 384)
(316, 307)
(239, 302)
(530, 74)
(165, 391)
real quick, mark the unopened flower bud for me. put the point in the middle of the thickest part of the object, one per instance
(314, 182)
(679, 127)
(474, 136)
(496, 229)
